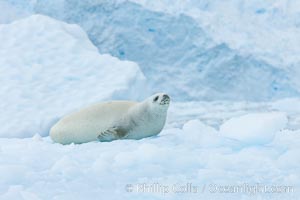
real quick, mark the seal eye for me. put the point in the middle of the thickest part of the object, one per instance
(156, 98)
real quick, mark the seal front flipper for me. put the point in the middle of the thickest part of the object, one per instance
(112, 133)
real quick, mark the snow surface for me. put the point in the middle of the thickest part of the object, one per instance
(36, 168)
(258, 128)
(49, 68)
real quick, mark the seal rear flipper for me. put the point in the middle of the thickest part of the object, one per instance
(112, 133)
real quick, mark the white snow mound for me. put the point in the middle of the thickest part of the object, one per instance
(254, 128)
(49, 68)
(197, 133)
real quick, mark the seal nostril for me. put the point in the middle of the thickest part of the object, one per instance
(165, 96)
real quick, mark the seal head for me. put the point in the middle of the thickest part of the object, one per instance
(145, 119)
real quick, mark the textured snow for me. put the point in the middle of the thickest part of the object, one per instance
(194, 153)
(49, 68)
(267, 29)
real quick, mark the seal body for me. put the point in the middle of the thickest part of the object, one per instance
(113, 120)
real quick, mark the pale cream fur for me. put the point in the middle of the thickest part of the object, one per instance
(139, 119)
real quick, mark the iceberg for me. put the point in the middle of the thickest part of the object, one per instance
(183, 49)
(50, 68)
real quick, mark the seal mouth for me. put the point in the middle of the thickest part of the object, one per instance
(165, 100)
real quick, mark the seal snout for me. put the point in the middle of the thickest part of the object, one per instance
(165, 99)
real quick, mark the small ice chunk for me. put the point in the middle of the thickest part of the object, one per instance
(254, 128)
